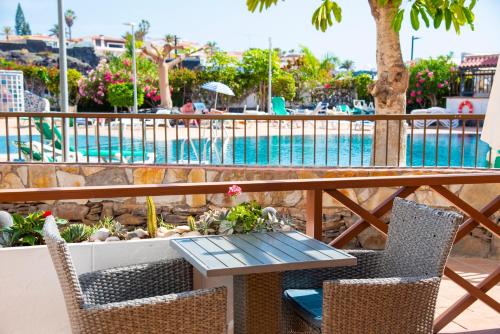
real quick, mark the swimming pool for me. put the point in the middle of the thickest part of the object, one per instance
(312, 150)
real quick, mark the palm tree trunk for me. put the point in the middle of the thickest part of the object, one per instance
(166, 98)
(389, 90)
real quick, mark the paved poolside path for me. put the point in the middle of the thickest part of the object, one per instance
(478, 318)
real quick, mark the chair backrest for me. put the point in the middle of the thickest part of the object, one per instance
(279, 105)
(419, 240)
(65, 270)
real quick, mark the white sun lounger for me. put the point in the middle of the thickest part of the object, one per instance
(420, 123)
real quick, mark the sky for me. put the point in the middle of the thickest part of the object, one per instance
(229, 23)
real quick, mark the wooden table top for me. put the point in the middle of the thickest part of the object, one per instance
(253, 253)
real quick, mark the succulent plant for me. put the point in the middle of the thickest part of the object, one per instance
(210, 220)
(191, 223)
(151, 222)
(76, 233)
(114, 227)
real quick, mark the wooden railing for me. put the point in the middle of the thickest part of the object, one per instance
(451, 140)
(315, 189)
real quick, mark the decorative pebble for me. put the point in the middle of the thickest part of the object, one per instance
(191, 234)
(131, 235)
(162, 229)
(140, 233)
(135, 238)
(175, 235)
(100, 235)
(182, 229)
(6, 219)
(112, 239)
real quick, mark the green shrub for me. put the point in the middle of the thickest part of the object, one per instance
(362, 82)
(284, 85)
(122, 95)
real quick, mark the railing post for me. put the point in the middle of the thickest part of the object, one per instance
(314, 213)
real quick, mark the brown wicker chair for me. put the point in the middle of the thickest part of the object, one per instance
(389, 291)
(147, 298)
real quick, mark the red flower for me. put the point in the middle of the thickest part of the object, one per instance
(234, 191)
(47, 213)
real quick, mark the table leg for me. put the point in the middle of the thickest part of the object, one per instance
(257, 303)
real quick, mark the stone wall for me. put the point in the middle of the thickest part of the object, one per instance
(175, 209)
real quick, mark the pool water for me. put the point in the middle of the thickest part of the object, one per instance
(278, 151)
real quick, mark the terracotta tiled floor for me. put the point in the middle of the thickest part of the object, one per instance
(478, 318)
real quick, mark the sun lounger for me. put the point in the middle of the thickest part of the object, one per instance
(420, 123)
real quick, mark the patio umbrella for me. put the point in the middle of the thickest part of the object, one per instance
(490, 133)
(218, 87)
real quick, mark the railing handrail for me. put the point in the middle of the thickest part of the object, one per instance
(66, 193)
(238, 116)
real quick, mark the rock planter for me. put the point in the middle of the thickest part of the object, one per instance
(34, 300)
(29, 289)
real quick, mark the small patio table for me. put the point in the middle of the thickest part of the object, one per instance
(255, 261)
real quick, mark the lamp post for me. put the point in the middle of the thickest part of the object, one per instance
(413, 39)
(270, 79)
(134, 65)
(63, 78)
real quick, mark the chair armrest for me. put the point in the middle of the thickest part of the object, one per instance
(380, 305)
(136, 281)
(199, 311)
(367, 266)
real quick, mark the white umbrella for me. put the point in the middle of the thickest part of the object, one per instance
(490, 133)
(217, 87)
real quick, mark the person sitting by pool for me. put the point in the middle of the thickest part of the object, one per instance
(188, 109)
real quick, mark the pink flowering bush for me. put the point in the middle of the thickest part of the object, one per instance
(117, 74)
(429, 82)
(93, 87)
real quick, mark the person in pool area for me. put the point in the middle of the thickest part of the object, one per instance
(188, 109)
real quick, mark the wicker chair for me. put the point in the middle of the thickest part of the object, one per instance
(147, 298)
(389, 291)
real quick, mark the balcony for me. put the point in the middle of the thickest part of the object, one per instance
(468, 296)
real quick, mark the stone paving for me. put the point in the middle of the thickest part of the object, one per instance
(478, 318)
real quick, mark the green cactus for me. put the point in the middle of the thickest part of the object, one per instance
(152, 223)
(191, 223)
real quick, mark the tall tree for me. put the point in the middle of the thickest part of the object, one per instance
(389, 90)
(347, 65)
(212, 47)
(255, 67)
(54, 31)
(69, 17)
(22, 27)
(142, 30)
(7, 31)
(160, 55)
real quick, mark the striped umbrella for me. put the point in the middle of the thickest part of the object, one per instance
(218, 87)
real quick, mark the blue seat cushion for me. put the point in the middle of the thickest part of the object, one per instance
(308, 303)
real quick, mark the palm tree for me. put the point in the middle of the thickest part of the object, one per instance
(7, 31)
(347, 65)
(169, 39)
(212, 47)
(142, 30)
(330, 62)
(54, 31)
(69, 17)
